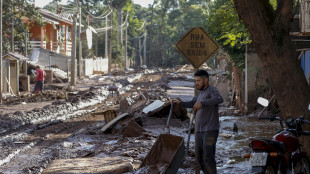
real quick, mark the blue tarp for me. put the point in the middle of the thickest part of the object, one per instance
(305, 63)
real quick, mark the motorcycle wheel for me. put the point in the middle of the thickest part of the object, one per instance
(270, 170)
(302, 166)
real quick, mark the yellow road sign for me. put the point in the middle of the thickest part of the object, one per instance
(197, 46)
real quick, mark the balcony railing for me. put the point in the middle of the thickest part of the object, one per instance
(37, 44)
(57, 47)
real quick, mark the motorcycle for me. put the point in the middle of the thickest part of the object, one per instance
(282, 154)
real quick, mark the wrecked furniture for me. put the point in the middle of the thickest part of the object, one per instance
(108, 115)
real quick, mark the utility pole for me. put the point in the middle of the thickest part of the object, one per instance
(12, 30)
(1, 69)
(96, 45)
(140, 56)
(144, 46)
(26, 43)
(126, 59)
(80, 45)
(73, 54)
(246, 81)
(110, 41)
(106, 38)
(26, 52)
(120, 32)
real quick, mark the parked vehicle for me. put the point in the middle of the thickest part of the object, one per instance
(283, 154)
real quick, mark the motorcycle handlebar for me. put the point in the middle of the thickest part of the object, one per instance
(306, 132)
(269, 118)
(306, 121)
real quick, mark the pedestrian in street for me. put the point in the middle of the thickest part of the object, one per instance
(206, 106)
(39, 80)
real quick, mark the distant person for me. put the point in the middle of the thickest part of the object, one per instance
(206, 106)
(40, 75)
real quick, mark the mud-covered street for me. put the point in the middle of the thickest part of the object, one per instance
(41, 134)
(154, 86)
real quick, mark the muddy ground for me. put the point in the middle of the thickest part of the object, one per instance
(65, 123)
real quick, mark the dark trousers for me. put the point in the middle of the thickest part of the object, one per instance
(205, 150)
(38, 86)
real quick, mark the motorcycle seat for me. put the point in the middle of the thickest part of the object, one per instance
(276, 144)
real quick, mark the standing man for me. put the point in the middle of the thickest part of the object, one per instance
(207, 121)
(40, 74)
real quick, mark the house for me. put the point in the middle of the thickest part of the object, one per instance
(55, 35)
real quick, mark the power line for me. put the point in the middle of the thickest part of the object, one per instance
(102, 16)
(138, 37)
(142, 25)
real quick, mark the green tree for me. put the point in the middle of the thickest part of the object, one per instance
(168, 21)
(269, 28)
(228, 30)
(24, 13)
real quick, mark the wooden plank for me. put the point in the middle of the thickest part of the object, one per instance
(91, 165)
(59, 79)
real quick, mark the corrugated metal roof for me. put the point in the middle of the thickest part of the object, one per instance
(12, 56)
(63, 17)
(51, 21)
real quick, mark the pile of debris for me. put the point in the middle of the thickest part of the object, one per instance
(137, 118)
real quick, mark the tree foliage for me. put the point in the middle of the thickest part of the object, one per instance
(166, 22)
(23, 13)
(269, 26)
(229, 31)
(93, 13)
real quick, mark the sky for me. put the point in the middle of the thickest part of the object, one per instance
(42, 3)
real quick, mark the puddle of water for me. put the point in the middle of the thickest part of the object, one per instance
(230, 150)
(111, 142)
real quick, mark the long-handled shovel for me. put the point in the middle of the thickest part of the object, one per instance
(193, 115)
(169, 117)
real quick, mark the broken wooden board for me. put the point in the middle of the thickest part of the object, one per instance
(113, 165)
(111, 123)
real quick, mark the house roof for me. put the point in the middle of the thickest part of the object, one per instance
(50, 16)
(14, 56)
